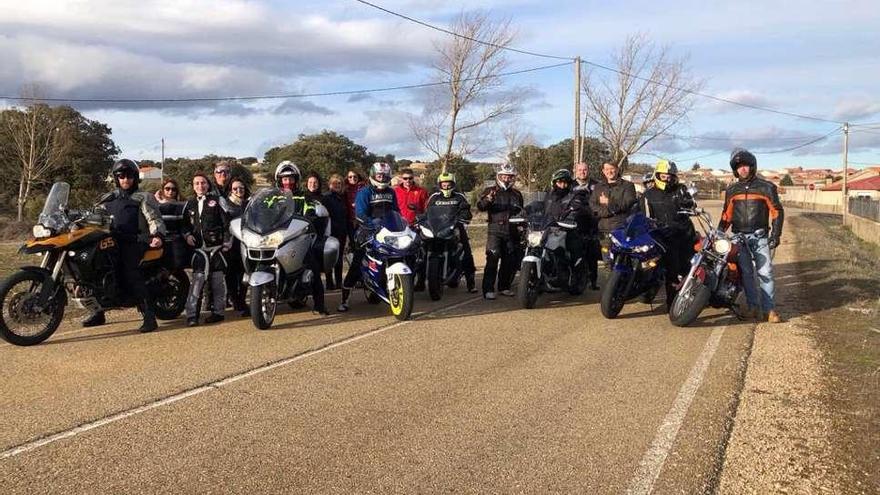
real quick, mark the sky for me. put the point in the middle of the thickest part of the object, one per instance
(808, 57)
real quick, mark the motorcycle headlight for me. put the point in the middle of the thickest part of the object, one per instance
(41, 231)
(535, 238)
(721, 246)
(399, 242)
(427, 232)
(642, 249)
(257, 241)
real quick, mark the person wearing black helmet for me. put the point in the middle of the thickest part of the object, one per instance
(663, 201)
(752, 207)
(564, 202)
(136, 225)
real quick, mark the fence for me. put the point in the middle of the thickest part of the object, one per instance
(865, 208)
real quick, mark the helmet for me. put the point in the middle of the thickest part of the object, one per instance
(446, 177)
(125, 166)
(380, 168)
(741, 156)
(505, 169)
(561, 174)
(665, 167)
(286, 169)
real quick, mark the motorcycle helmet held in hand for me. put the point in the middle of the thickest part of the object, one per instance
(380, 175)
(446, 178)
(505, 175)
(667, 168)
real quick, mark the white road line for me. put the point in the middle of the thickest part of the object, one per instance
(654, 458)
(72, 432)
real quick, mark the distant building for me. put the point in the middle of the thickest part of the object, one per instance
(150, 173)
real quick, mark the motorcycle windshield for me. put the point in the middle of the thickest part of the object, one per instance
(392, 222)
(535, 216)
(441, 220)
(269, 210)
(637, 225)
(53, 214)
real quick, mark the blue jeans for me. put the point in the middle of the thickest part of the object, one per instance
(757, 257)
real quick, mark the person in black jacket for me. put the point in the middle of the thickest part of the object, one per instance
(449, 201)
(234, 203)
(136, 226)
(663, 202)
(611, 202)
(752, 207)
(588, 225)
(564, 203)
(206, 225)
(171, 207)
(501, 201)
(335, 202)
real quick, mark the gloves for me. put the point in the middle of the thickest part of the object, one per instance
(773, 243)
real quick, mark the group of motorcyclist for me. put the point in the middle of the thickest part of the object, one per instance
(597, 207)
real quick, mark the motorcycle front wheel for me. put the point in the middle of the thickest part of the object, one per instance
(689, 303)
(527, 290)
(613, 295)
(263, 305)
(435, 279)
(401, 297)
(21, 323)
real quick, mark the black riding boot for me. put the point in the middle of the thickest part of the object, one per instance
(149, 324)
(97, 318)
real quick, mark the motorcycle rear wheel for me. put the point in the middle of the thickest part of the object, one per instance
(171, 298)
(263, 305)
(15, 308)
(689, 303)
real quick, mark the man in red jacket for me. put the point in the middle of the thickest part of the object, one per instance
(409, 193)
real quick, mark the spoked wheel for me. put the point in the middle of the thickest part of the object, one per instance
(529, 284)
(401, 297)
(689, 302)
(263, 305)
(21, 322)
(170, 299)
(613, 295)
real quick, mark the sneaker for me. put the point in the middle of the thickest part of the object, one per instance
(191, 322)
(214, 318)
(508, 293)
(489, 295)
(342, 308)
(471, 284)
(773, 317)
(95, 320)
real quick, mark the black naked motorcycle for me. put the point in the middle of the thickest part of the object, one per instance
(79, 257)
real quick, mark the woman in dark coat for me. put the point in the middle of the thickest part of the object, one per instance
(234, 201)
(335, 202)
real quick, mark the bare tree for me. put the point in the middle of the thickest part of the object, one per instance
(471, 97)
(522, 149)
(650, 93)
(40, 141)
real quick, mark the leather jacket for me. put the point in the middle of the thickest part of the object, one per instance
(752, 205)
(505, 204)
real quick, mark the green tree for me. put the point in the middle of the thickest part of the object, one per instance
(465, 171)
(787, 180)
(326, 153)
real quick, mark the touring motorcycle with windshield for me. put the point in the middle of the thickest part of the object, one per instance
(78, 261)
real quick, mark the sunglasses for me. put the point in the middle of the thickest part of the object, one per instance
(221, 172)
(172, 189)
(406, 178)
(125, 175)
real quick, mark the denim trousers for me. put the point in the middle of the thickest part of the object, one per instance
(757, 259)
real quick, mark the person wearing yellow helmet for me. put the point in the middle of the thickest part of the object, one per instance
(663, 202)
(448, 200)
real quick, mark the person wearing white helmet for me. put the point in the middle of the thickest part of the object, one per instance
(374, 201)
(501, 201)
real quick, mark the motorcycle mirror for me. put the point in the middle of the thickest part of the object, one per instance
(566, 225)
(321, 211)
(692, 190)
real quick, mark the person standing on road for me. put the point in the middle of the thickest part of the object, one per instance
(136, 226)
(354, 182)
(501, 201)
(663, 201)
(334, 200)
(752, 207)
(412, 201)
(611, 202)
(171, 207)
(587, 224)
(206, 225)
(449, 201)
(234, 204)
(222, 171)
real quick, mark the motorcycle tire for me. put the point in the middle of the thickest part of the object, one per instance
(580, 281)
(56, 313)
(613, 295)
(263, 306)
(171, 298)
(435, 279)
(689, 303)
(527, 290)
(402, 298)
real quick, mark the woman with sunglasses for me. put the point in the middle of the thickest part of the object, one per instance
(354, 182)
(171, 208)
(234, 202)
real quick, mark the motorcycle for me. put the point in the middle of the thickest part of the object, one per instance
(385, 273)
(79, 257)
(547, 266)
(635, 259)
(276, 242)
(714, 278)
(442, 250)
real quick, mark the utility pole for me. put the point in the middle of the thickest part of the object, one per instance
(576, 142)
(845, 169)
(163, 159)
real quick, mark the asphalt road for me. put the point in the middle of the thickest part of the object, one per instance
(472, 396)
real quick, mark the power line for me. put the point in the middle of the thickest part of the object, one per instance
(453, 33)
(277, 97)
(728, 139)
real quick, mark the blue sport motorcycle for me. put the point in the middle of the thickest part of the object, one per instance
(635, 265)
(385, 270)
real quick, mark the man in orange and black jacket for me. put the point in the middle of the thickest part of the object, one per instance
(752, 207)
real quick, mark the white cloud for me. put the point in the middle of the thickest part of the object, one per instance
(857, 108)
